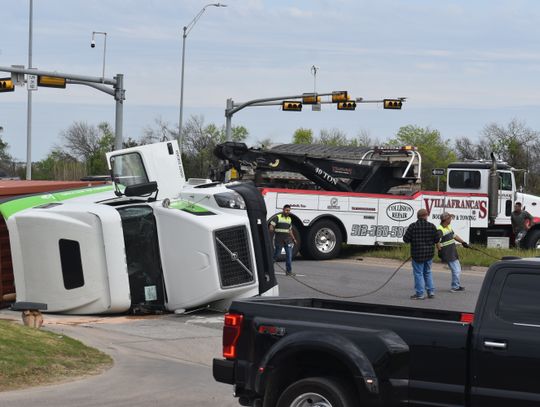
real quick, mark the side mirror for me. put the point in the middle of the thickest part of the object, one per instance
(146, 188)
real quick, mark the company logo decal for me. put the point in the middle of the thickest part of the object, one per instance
(400, 211)
(333, 204)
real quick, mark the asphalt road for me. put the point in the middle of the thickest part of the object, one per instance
(166, 360)
(354, 277)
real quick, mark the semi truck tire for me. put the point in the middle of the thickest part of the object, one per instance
(533, 239)
(324, 240)
(317, 391)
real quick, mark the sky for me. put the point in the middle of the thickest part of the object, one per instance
(461, 64)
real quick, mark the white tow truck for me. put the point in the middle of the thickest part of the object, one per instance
(150, 241)
(370, 196)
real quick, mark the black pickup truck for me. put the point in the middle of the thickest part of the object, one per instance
(327, 353)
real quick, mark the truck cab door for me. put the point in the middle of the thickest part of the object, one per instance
(160, 162)
(506, 197)
(506, 343)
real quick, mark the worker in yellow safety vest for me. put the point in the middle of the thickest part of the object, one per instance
(281, 229)
(448, 251)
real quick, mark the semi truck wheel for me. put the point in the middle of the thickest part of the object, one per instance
(317, 391)
(533, 240)
(324, 240)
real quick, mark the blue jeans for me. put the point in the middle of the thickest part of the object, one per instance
(455, 268)
(423, 279)
(288, 254)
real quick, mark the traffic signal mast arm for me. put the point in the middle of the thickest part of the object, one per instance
(363, 174)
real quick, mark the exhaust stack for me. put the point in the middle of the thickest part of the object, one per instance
(493, 190)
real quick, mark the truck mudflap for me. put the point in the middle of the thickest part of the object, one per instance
(262, 244)
(338, 346)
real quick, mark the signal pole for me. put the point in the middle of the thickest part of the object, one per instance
(29, 101)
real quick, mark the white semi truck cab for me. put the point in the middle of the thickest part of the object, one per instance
(474, 177)
(150, 241)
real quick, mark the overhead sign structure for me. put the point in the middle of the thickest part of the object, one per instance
(438, 171)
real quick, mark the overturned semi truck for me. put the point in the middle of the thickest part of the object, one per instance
(149, 241)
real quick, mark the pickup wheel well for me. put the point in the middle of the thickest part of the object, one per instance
(303, 365)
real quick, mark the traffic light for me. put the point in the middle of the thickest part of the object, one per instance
(310, 99)
(340, 96)
(51, 82)
(6, 85)
(291, 106)
(350, 105)
(392, 103)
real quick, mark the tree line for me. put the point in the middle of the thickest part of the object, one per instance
(82, 148)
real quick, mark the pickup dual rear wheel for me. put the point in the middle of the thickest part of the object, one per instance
(317, 392)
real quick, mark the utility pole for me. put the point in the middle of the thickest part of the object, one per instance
(29, 101)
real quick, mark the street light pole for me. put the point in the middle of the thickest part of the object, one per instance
(186, 31)
(29, 101)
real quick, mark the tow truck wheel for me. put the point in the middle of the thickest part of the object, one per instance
(317, 392)
(324, 240)
(533, 240)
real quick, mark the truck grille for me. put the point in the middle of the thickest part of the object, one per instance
(234, 257)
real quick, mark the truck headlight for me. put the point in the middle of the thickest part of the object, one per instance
(231, 200)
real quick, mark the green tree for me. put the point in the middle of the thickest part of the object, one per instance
(436, 152)
(58, 165)
(333, 137)
(303, 136)
(515, 143)
(199, 141)
(88, 144)
(6, 161)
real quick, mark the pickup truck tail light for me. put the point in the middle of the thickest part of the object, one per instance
(467, 317)
(231, 333)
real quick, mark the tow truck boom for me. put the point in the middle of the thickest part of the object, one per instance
(343, 169)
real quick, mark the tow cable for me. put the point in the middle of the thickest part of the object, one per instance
(373, 291)
(485, 253)
(345, 296)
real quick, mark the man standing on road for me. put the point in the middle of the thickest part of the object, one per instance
(422, 235)
(521, 222)
(281, 229)
(448, 251)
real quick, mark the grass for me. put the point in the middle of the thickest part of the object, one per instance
(30, 357)
(467, 257)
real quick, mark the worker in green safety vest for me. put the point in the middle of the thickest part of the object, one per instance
(281, 229)
(448, 251)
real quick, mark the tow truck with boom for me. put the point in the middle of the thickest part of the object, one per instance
(368, 196)
(151, 241)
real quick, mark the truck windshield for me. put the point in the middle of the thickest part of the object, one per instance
(128, 169)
